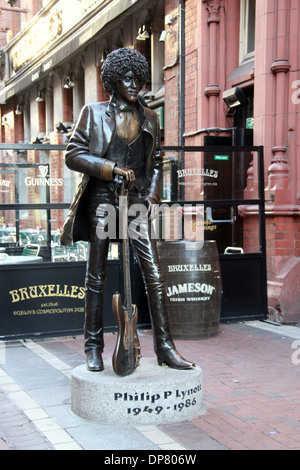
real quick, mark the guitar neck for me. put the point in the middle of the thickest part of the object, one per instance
(126, 263)
(127, 279)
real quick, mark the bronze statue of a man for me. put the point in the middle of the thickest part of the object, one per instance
(113, 139)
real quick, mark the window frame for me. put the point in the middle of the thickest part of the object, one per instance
(244, 54)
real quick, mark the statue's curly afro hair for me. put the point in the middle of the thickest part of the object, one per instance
(118, 63)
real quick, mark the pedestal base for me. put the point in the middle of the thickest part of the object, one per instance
(152, 395)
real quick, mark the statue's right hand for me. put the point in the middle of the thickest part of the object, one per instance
(125, 173)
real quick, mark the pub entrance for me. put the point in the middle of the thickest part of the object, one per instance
(214, 180)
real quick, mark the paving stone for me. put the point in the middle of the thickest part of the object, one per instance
(250, 391)
(17, 432)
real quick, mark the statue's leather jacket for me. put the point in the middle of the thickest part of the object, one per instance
(86, 153)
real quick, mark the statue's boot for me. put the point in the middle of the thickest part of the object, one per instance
(164, 346)
(146, 250)
(93, 327)
(94, 360)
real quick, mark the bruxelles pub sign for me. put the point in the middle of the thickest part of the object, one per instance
(42, 300)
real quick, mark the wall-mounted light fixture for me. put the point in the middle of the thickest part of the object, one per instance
(103, 56)
(4, 121)
(39, 97)
(37, 140)
(139, 36)
(69, 83)
(144, 33)
(61, 128)
(169, 20)
(12, 8)
(19, 110)
(235, 97)
(164, 35)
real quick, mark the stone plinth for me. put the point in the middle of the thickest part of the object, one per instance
(152, 395)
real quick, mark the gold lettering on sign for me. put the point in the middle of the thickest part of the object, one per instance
(40, 35)
(41, 291)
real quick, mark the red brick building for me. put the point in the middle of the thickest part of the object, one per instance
(254, 46)
(209, 47)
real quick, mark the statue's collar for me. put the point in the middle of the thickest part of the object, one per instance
(115, 105)
(122, 107)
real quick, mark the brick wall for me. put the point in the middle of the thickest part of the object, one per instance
(283, 236)
(68, 105)
(101, 93)
(172, 73)
(191, 67)
(13, 130)
(42, 116)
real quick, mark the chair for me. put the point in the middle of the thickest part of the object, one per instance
(59, 253)
(31, 250)
(82, 250)
(23, 239)
(233, 249)
(73, 252)
(38, 239)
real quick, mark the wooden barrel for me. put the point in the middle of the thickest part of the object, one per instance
(193, 286)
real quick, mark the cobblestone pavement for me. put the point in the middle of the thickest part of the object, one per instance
(251, 377)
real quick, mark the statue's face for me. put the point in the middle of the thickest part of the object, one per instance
(128, 88)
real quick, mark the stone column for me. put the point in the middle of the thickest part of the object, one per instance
(212, 90)
(279, 170)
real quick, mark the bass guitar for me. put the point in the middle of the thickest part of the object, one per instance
(127, 353)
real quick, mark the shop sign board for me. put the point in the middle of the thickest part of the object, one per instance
(250, 123)
(221, 158)
(48, 299)
(46, 28)
(39, 300)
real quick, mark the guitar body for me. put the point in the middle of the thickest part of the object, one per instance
(126, 356)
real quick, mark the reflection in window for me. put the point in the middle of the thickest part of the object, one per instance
(30, 182)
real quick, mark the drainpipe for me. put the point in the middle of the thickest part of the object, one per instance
(182, 88)
(182, 71)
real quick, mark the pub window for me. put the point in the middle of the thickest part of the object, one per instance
(36, 189)
(247, 30)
